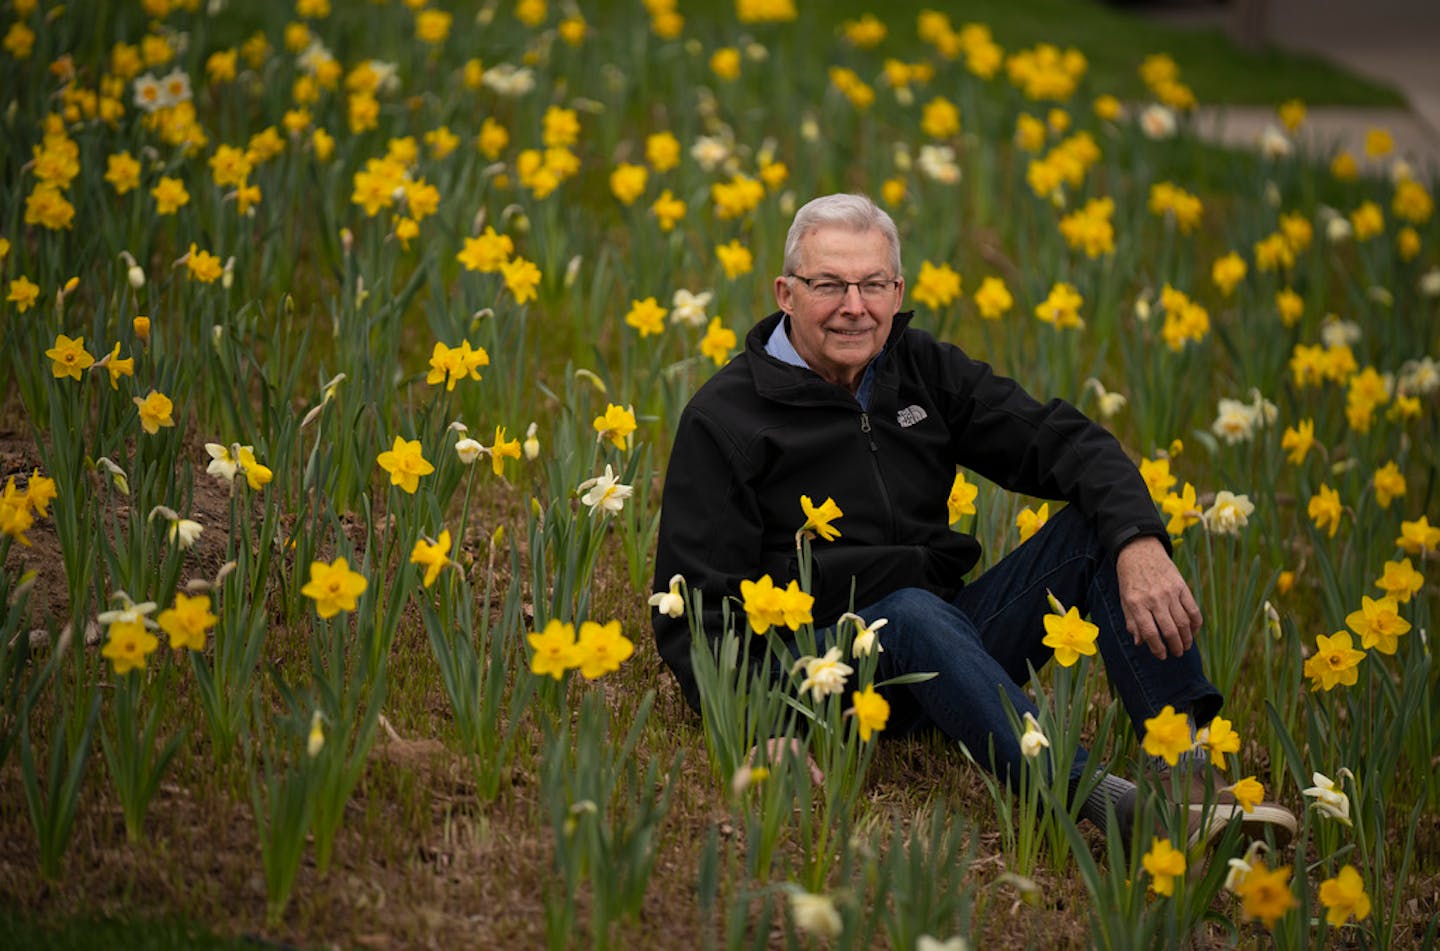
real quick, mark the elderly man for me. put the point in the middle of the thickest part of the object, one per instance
(836, 395)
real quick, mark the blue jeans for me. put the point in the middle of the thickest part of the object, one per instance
(980, 643)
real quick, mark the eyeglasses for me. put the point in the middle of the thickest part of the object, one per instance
(831, 288)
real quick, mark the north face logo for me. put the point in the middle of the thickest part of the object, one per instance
(909, 416)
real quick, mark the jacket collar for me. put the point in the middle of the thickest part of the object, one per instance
(777, 380)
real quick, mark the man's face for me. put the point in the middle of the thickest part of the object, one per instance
(839, 336)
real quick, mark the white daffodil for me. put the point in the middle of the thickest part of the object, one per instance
(604, 493)
(688, 308)
(865, 635)
(815, 914)
(823, 675)
(531, 444)
(1228, 514)
(1157, 122)
(468, 450)
(1329, 798)
(1033, 740)
(129, 612)
(670, 603)
(223, 465)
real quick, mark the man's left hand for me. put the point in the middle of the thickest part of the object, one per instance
(1159, 608)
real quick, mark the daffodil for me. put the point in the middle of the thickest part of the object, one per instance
(1378, 623)
(154, 410)
(616, 425)
(1418, 537)
(646, 316)
(1032, 739)
(405, 463)
(1344, 897)
(763, 603)
(962, 498)
(1330, 798)
(188, 621)
(1248, 792)
(433, 556)
(1325, 509)
(871, 711)
(1167, 735)
(1030, 521)
(68, 357)
(600, 649)
(1218, 737)
(824, 675)
(1400, 580)
(1164, 863)
(1334, 662)
(670, 603)
(554, 649)
(1069, 636)
(502, 449)
(818, 519)
(1265, 894)
(127, 644)
(604, 493)
(866, 637)
(1297, 441)
(334, 587)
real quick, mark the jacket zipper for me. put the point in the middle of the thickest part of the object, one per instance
(875, 467)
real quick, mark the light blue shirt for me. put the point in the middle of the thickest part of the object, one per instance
(780, 347)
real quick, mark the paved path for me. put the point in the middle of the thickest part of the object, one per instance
(1394, 41)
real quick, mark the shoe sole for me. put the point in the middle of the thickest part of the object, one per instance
(1211, 824)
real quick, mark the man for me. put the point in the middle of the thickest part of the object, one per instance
(837, 396)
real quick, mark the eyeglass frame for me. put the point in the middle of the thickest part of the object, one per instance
(889, 285)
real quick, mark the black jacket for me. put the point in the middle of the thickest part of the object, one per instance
(761, 433)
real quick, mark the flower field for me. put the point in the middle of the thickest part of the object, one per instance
(344, 341)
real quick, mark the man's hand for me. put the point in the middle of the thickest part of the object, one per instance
(777, 748)
(1159, 608)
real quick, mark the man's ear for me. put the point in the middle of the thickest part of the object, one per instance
(784, 294)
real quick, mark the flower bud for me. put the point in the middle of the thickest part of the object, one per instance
(532, 444)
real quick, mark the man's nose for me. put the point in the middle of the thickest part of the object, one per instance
(853, 300)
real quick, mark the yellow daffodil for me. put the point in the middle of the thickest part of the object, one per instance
(818, 518)
(127, 644)
(1167, 735)
(1418, 537)
(1378, 623)
(1400, 580)
(1265, 894)
(962, 498)
(1030, 521)
(334, 587)
(600, 649)
(405, 463)
(502, 449)
(646, 316)
(1325, 510)
(1344, 897)
(188, 621)
(68, 357)
(871, 711)
(718, 341)
(616, 425)
(1334, 662)
(1164, 863)
(936, 286)
(1219, 738)
(155, 411)
(554, 649)
(433, 556)
(1069, 636)
(1248, 792)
